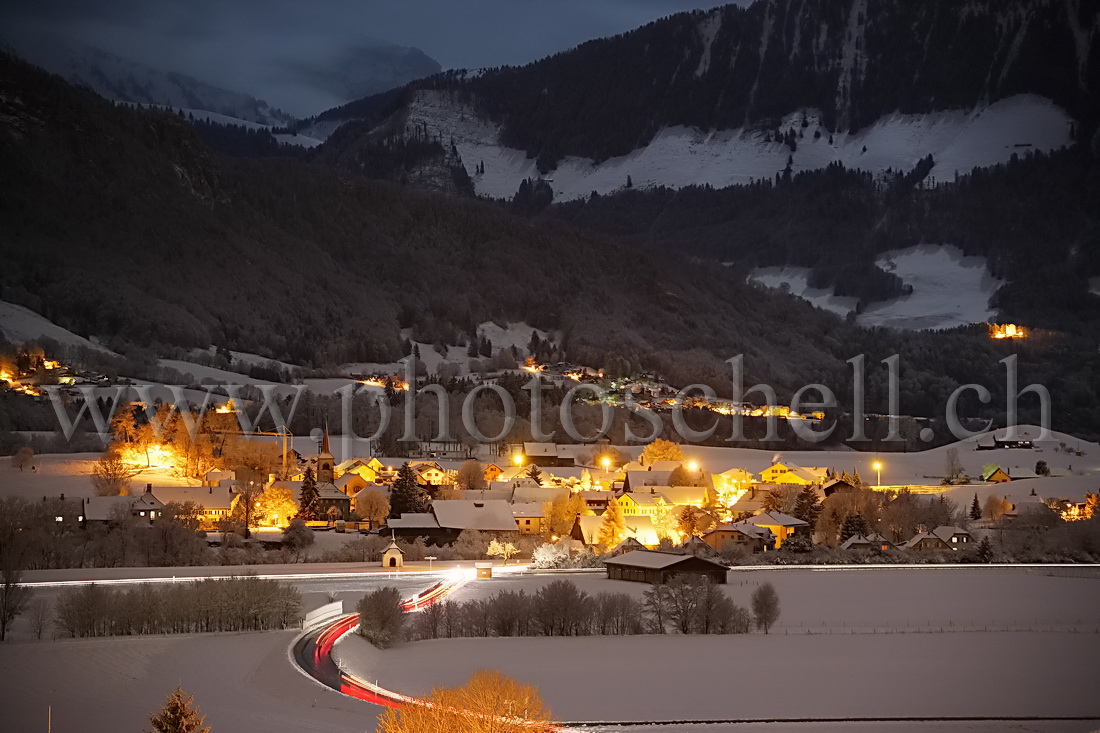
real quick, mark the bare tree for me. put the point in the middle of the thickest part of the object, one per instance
(111, 475)
(22, 457)
(765, 606)
(14, 550)
(658, 607)
(471, 476)
(373, 506)
(501, 549)
(953, 467)
(489, 702)
(40, 614)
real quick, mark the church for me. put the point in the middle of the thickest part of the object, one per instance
(331, 503)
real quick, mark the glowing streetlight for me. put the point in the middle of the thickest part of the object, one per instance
(693, 466)
(605, 462)
(877, 465)
(517, 459)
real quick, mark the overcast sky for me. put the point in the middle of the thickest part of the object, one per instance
(236, 43)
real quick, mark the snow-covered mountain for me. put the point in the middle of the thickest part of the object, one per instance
(700, 97)
(367, 69)
(122, 80)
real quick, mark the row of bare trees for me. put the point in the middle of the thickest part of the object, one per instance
(227, 604)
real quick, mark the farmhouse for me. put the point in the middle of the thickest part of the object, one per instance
(647, 566)
(781, 525)
(751, 537)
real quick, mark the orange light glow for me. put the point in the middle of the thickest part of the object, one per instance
(1007, 331)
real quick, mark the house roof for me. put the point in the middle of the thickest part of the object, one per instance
(915, 540)
(100, 508)
(946, 532)
(636, 479)
(416, 520)
(872, 539)
(653, 560)
(529, 510)
(216, 497)
(748, 529)
(777, 519)
(490, 516)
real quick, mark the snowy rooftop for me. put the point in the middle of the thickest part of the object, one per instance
(652, 559)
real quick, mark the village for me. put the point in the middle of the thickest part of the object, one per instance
(592, 502)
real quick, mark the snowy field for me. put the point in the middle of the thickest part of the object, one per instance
(823, 660)
(949, 289)
(241, 682)
(958, 140)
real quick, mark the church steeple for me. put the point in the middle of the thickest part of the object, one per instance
(326, 472)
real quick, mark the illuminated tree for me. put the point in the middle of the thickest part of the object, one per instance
(489, 702)
(471, 476)
(561, 514)
(613, 525)
(662, 450)
(373, 506)
(243, 509)
(111, 475)
(276, 504)
(179, 715)
(501, 549)
(996, 506)
(765, 606)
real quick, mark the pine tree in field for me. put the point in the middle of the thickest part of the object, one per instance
(407, 496)
(975, 509)
(307, 498)
(613, 526)
(179, 715)
(807, 507)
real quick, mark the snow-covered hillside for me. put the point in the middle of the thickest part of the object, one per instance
(949, 289)
(679, 156)
(123, 80)
(19, 324)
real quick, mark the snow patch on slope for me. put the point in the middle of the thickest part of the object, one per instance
(795, 280)
(949, 289)
(682, 156)
(19, 324)
(221, 119)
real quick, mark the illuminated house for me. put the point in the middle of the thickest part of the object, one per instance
(529, 517)
(215, 501)
(586, 529)
(750, 537)
(779, 473)
(781, 525)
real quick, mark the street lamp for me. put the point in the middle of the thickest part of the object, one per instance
(517, 459)
(877, 465)
(429, 558)
(606, 463)
(693, 466)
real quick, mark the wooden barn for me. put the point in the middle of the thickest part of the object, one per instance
(648, 566)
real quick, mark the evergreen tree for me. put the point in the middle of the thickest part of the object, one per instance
(307, 498)
(407, 496)
(179, 715)
(773, 502)
(975, 509)
(854, 524)
(807, 507)
(471, 348)
(613, 525)
(533, 472)
(533, 344)
(486, 348)
(985, 550)
(856, 480)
